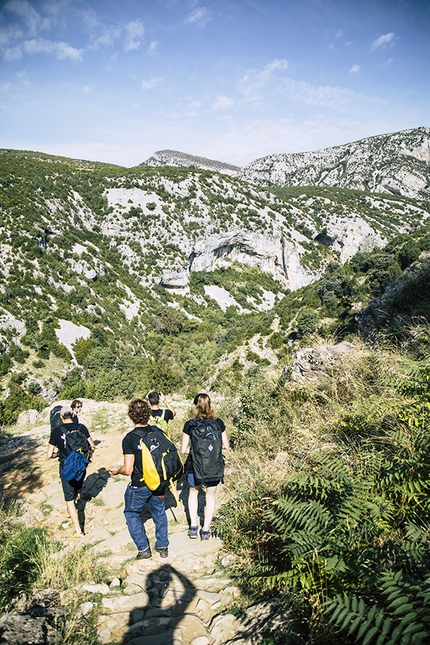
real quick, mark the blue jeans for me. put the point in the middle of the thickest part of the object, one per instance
(135, 499)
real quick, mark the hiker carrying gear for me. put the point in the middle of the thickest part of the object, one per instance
(160, 416)
(67, 438)
(138, 492)
(204, 438)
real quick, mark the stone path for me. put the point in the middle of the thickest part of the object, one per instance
(179, 600)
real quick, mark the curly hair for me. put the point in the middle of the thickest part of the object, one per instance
(203, 406)
(139, 411)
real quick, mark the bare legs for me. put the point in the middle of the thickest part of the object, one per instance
(74, 516)
(209, 508)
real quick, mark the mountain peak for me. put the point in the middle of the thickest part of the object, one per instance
(176, 158)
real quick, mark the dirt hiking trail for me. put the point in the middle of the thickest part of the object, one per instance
(183, 599)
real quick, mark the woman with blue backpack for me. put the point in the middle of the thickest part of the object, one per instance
(204, 439)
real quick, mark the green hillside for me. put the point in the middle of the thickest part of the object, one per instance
(327, 485)
(75, 248)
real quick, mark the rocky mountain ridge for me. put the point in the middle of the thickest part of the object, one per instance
(176, 158)
(396, 163)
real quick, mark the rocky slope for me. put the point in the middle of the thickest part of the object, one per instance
(176, 158)
(396, 163)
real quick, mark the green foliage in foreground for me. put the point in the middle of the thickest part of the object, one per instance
(30, 561)
(21, 548)
(347, 535)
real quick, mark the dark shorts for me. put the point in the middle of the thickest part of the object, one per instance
(195, 483)
(71, 489)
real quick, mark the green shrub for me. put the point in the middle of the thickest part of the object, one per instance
(19, 555)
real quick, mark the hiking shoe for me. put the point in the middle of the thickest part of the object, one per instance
(193, 532)
(163, 551)
(144, 555)
(204, 535)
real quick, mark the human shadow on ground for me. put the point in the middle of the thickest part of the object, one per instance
(92, 486)
(20, 473)
(169, 594)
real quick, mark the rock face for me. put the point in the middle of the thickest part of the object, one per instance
(174, 280)
(313, 363)
(175, 158)
(394, 163)
(271, 254)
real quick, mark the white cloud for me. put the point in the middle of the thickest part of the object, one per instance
(12, 33)
(255, 80)
(30, 16)
(199, 17)
(153, 47)
(60, 50)
(354, 69)
(382, 41)
(222, 102)
(148, 85)
(134, 34)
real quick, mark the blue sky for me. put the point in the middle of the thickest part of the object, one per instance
(233, 80)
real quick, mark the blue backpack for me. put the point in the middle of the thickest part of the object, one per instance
(77, 458)
(75, 466)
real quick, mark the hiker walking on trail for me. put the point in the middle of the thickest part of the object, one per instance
(67, 441)
(137, 492)
(76, 406)
(203, 438)
(160, 416)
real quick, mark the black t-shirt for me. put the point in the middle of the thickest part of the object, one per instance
(131, 446)
(168, 414)
(58, 437)
(189, 424)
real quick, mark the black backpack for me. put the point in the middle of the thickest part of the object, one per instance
(54, 417)
(206, 450)
(161, 463)
(78, 453)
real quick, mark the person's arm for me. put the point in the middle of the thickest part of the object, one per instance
(92, 444)
(225, 441)
(50, 452)
(167, 404)
(126, 468)
(184, 443)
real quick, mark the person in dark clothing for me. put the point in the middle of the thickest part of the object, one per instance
(57, 448)
(160, 415)
(137, 493)
(76, 406)
(203, 411)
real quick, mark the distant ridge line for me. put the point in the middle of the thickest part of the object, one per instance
(176, 158)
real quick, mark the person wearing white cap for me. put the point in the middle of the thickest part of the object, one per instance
(58, 447)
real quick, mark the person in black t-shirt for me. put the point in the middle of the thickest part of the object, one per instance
(203, 410)
(137, 493)
(57, 448)
(167, 412)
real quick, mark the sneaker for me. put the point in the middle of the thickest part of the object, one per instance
(204, 535)
(193, 532)
(163, 551)
(144, 555)
(76, 536)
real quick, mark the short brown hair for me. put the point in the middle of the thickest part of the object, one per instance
(202, 402)
(139, 411)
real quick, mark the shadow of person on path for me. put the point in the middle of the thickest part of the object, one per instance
(20, 473)
(170, 593)
(92, 486)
